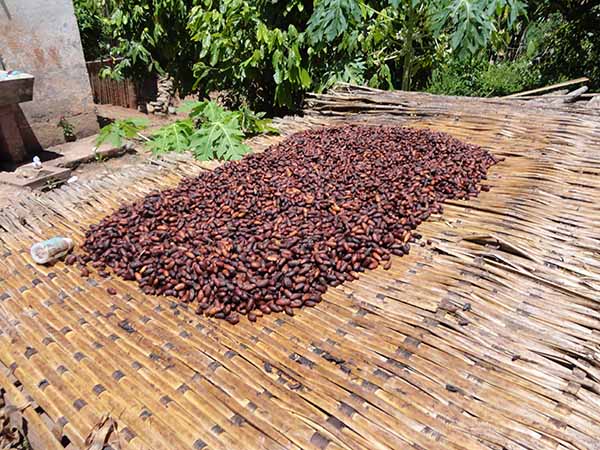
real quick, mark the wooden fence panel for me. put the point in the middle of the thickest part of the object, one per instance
(126, 93)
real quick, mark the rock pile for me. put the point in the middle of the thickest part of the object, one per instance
(163, 104)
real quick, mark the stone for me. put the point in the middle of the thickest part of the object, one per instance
(29, 171)
(26, 176)
(15, 88)
(172, 110)
(150, 108)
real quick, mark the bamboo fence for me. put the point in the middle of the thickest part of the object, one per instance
(126, 93)
(486, 338)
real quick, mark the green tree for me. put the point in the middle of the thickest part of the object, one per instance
(565, 39)
(265, 52)
(94, 35)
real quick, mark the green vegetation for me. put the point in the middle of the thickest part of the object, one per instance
(93, 28)
(119, 131)
(209, 132)
(266, 54)
(564, 39)
(560, 41)
(68, 129)
(484, 79)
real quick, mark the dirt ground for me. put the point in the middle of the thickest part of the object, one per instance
(116, 112)
(85, 147)
(98, 168)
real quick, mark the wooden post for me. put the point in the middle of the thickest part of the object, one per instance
(14, 90)
(10, 134)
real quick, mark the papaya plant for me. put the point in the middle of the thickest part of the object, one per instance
(209, 132)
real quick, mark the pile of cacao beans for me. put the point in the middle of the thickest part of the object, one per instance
(271, 232)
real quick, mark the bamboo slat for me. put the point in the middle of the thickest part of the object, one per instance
(484, 338)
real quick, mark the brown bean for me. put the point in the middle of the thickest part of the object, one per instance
(272, 232)
(233, 318)
(296, 303)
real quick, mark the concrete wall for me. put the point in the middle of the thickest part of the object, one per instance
(41, 37)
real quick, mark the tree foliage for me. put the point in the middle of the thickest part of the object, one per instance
(566, 39)
(469, 22)
(94, 35)
(266, 52)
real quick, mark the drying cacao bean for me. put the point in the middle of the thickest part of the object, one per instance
(269, 233)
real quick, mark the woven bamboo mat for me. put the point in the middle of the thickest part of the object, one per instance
(488, 337)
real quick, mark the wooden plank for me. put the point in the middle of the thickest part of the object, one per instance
(549, 88)
(11, 141)
(571, 96)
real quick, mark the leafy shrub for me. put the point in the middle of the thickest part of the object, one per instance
(508, 77)
(68, 129)
(457, 78)
(484, 79)
(172, 138)
(562, 41)
(210, 132)
(219, 134)
(564, 37)
(253, 123)
(120, 130)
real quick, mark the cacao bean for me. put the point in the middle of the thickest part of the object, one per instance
(271, 232)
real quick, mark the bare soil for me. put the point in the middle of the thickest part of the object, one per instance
(99, 167)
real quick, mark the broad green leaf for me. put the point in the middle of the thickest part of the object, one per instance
(223, 140)
(305, 78)
(172, 138)
(116, 132)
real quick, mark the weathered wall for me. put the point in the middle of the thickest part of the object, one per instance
(41, 37)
